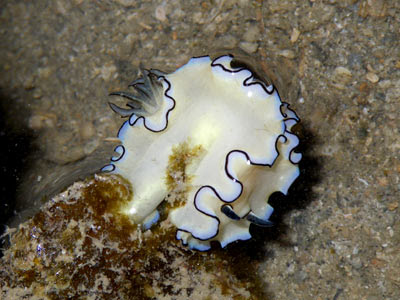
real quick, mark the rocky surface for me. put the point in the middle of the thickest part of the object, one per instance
(79, 246)
(336, 62)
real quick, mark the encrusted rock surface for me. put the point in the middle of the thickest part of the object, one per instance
(80, 247)
(336, 62)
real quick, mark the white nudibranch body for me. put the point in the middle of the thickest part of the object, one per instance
(241, 131)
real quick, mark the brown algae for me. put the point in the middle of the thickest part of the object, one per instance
(79, 246)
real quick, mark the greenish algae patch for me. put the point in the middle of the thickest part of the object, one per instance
(177, 178)
(80, 246)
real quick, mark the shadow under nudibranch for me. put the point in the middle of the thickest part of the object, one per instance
(17, 148)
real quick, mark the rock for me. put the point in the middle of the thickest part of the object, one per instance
(287, 53)
(82, 229)
(160, 13)
(248, 47)
(295, 35)
(252, 34)
(342, 75)
(87, 130)
(372, 77)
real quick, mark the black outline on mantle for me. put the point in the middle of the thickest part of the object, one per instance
(120, 155)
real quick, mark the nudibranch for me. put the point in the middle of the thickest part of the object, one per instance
(213, 141)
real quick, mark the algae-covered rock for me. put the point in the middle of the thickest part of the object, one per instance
(80, 247)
